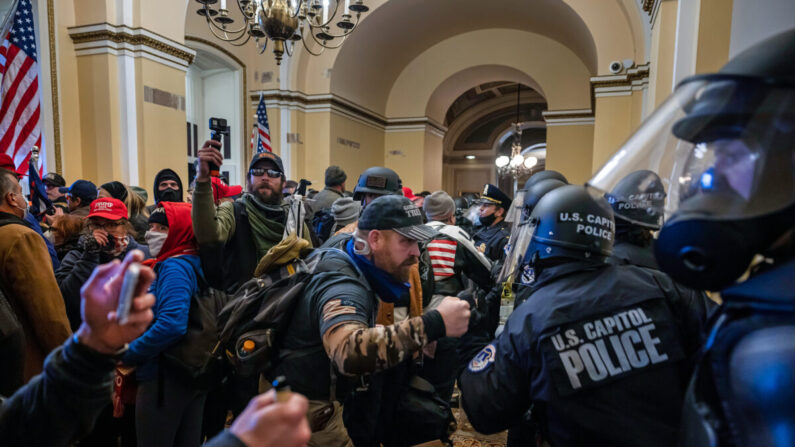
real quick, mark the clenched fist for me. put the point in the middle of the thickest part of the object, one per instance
(455, 313)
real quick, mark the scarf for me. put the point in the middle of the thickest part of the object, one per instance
(388, 289)
(180, 240)
(267, 223)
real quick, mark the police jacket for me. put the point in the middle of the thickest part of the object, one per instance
(491, 240)
(602, 352)
(454, 258)
(627, 253)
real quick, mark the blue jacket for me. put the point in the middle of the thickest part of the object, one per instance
(176, 283)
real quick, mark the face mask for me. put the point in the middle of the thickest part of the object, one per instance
(25, 209)
(155, 241)
(486, 221)
(169, 195)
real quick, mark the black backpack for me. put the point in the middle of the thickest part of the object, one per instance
(260, 313)
(323, 222)
(197, 355)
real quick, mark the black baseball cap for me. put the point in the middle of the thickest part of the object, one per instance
(398, 214)
(83, 189)
(267, 156)
(53, 179)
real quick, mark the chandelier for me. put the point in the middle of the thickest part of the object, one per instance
(516, 165)
(285, 22)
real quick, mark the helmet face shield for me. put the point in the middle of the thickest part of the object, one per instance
(520, 240)
(728, 137)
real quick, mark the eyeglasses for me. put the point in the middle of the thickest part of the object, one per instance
(111, 224)
(259, 172)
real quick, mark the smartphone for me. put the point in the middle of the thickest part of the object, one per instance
(127, 294)
(218, 129)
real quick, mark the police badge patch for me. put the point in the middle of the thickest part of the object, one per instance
(483, 359)
(528, 275)
(482, 247)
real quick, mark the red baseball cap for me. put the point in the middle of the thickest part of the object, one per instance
(7, 162)
(108, 208)
(221, 189)
(408, 193)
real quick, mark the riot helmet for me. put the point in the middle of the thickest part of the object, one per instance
(571, 222)
(639, 198)
(544, 175)
(377, 180)
(724, 146)
(522, 231)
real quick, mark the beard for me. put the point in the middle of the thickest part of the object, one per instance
(400, 271)
(265, 193)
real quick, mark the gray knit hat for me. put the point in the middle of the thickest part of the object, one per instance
(345, 211)
(335, 176)
(439, 205)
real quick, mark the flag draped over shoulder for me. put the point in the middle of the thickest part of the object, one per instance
(20, 111)
(261, 136)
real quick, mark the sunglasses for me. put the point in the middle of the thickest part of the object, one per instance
(259, 172)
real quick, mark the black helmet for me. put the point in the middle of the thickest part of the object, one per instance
(639, 198)
(377, 180)
(538, 190)
(461, 203)
(572, 222)
(544, 175)
(723, 146)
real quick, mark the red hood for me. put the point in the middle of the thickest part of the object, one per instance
(181, 240)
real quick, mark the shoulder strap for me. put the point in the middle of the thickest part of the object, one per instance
(464, 239)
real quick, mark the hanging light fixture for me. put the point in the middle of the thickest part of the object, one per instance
(285, 22)
(516, 165)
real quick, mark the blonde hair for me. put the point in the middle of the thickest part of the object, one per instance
(135, 204)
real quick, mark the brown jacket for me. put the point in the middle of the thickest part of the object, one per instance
(29, 283)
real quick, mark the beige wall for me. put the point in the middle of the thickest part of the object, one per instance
(408, 162)
(569, 151)
(354, 160)
(432, 162)
(714, 35)
(613, 123)
(663, 46)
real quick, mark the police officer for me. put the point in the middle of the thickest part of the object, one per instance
(601, 352)
(493, 234)
(732, 198)
(638, 201)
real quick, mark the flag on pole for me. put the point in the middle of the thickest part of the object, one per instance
(39, 202)
(261, 135)
(20, 112)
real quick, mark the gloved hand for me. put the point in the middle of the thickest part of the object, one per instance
(88, 244)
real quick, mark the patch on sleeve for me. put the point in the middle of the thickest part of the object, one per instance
(483, 359)
(335, 308)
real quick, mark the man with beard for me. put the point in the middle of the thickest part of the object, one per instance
(244, 230)
(334, 326)
(167, 188)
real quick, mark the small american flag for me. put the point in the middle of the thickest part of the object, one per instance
(442, 254)
(20, 113)
(261, 136)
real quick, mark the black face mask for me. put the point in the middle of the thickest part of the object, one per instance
(488, 220)
(168, 195)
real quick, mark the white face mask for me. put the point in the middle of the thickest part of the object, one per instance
(155, 241)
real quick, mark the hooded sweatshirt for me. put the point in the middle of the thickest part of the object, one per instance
(167, 174)
(178, 271)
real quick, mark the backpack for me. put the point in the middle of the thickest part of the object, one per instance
(197, 356)
(323, 223)
(254, 322)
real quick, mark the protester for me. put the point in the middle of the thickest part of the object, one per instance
(28, 283)
(65, 233)
(335, 187)
(107, 235)
(53, 182)
(244, 230)
(289, 187)
(79, 196)
(167, 188)
(338, 311)
(135, 206)
(168, 409)
(223, 192)
(345, 211)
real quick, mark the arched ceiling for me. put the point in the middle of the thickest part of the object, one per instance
(396, 32)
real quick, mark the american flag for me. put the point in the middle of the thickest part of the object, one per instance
(261, 136)
(20, 114)
(442, 254)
